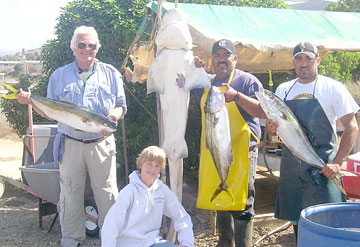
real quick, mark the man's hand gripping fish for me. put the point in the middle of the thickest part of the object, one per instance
(291, 133)
(218, 140)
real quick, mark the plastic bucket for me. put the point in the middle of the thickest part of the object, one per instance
(332, 224)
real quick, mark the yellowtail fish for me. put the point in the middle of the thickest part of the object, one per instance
(218, 140)
(68, 113)
(292, 134)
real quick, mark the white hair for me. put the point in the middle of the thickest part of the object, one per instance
(84, 30)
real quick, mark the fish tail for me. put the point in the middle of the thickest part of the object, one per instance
(337, 182)
(222, 187)
(230, 193)
(13, 95)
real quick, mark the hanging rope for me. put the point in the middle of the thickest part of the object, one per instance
(141, 104)
(136, 39)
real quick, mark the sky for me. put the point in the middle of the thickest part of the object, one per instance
(27, 23)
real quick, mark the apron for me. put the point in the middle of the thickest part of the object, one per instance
(300, 184)
(237, 179)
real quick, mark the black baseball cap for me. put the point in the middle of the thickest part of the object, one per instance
(223, 44)
(307, 48)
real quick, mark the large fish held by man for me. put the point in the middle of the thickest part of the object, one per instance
(291, 133)
(78, 117)
(174, 58)
(218, 140)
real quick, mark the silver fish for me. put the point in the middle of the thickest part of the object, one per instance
(76, 116)
(218, 140)
(291, 133)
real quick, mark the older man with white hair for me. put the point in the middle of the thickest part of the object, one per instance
(99, 87)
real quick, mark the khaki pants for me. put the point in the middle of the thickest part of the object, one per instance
(98, 159)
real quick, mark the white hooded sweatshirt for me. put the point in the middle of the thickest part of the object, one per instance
(135, 218)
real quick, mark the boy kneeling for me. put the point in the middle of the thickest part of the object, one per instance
(135, 218)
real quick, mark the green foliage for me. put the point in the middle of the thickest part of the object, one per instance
(33, 56)
(253, 3)
(16, 114)
(18, 68)
(344, 6)
(10, 58)
(116, 22)
(193, 134)
(193, 129)
(277, 79)
(342, 66)
(140, 122)
(354, 89)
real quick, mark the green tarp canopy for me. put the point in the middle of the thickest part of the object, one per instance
(264, 37)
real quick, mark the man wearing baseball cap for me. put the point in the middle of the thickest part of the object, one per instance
(307, 48)
(239, 87)
(317, 102)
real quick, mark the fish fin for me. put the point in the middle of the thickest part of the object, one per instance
(285, 117)
(216, 193)
(222, 187)
(206, 145)
(232, 156)
(155, 80)
(69, 102)
(230, 193)
(337, 182)
(299, 160)
(348, 174)
(85, 120)
(197, 78)
(14, 90)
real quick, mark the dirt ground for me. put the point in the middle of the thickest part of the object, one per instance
(19, 223)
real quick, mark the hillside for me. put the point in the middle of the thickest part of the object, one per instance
(32, 54)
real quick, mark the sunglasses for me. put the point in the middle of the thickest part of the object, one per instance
(83, 46)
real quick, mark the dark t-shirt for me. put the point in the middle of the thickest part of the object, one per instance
(242, 82)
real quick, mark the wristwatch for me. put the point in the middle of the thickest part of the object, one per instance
(236, 98)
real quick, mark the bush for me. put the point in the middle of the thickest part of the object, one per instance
(17, 114)
(341, 66)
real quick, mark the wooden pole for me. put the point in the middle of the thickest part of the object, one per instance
(125, 151)
(31, 130)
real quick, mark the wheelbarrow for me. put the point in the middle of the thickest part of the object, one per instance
(41, 176)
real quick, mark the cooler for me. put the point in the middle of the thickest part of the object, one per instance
(353, 163)
(352, 184)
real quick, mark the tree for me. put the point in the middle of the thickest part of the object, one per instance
(16, 114)
(32, 56)
(340, 65)
(117, 23)
(18, 69)
(344, 6)
(251, 3)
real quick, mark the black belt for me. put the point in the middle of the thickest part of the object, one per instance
(253, 148)
(86, 141)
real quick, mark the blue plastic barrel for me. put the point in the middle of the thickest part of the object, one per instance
(332, 224)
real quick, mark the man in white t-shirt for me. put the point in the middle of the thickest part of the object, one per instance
(317, 102)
